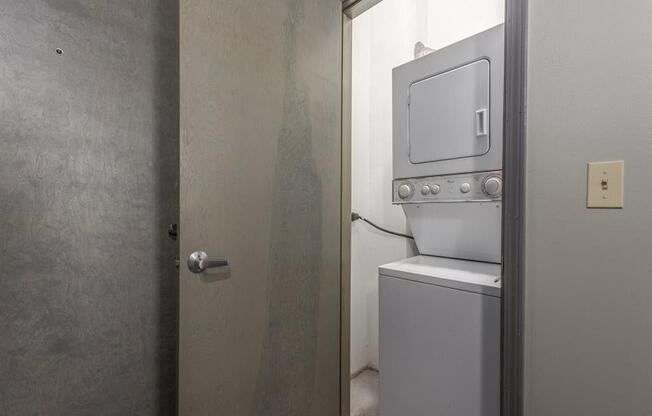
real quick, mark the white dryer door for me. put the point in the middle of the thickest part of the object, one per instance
(449, 114)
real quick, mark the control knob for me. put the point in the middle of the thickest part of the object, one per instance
(425, 190)
(493, 186)
(405, 190)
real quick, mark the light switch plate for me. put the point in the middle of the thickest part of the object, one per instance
(604, 187)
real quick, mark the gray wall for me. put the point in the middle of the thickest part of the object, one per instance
(88, 184)
(588, 272)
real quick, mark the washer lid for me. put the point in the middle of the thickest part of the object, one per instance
(470, 276)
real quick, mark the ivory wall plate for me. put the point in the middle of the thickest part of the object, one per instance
(605, 184)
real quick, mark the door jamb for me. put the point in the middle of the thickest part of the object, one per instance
(514, 159)
(512, 311)
(345, 233)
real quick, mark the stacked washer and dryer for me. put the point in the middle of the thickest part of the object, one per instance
(440, 311)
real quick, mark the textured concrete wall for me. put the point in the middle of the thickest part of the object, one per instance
(588, 272)
(88, 184)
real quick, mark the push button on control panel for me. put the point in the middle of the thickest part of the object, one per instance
(465, 188)
(425, 190)
(435, 189)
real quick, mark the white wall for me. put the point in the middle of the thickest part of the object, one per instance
(452, 20)
(384, 38)
(377, 48)
(588, 278)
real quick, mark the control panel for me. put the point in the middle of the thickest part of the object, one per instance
(472, 187)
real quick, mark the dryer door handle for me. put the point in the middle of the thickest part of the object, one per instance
(481, 122)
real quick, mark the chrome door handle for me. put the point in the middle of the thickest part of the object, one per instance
(198, 262)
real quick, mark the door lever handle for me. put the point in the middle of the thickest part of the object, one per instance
(198, 262)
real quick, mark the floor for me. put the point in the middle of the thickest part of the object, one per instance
(364, 394)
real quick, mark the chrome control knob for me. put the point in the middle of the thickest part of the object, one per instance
(465, 188)
(425, 190)
(405, 191)
(435, 189)
(493, 186)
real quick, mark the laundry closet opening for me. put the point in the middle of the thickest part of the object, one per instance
(426, 109)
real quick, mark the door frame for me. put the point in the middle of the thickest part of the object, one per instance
(512, 311)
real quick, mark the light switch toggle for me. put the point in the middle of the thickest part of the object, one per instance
(605, 185)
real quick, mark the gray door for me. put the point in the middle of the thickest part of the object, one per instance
(260, 187)
(449, 114)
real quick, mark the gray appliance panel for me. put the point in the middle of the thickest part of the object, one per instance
(449, 188)
(424, 157)
(448, 114)
(439, 350)
(469, 276)
(466, 230)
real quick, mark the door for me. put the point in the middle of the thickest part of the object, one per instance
(260, 96)
(448, 114)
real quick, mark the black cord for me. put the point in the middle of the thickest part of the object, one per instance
(355, 216)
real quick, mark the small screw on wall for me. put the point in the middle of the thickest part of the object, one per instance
(59, 51)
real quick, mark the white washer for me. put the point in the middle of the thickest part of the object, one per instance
(439, 337)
